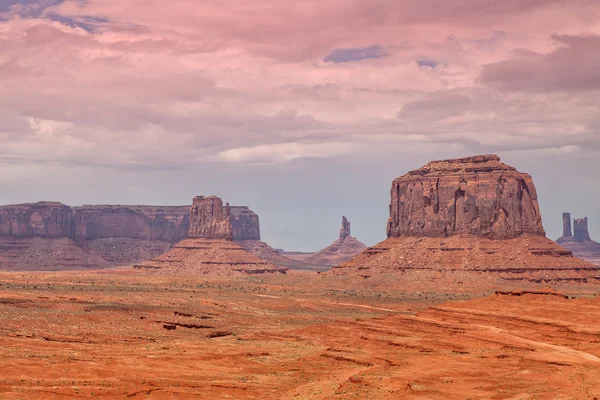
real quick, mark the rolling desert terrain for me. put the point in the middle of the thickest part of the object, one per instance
(123, 334)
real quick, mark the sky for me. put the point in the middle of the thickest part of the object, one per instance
(304, 110)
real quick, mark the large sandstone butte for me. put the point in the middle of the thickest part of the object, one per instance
(471, 221)
(53, 236)
(342, 250)
(478, 195)
(209, 249)
(580, 243)
(209, 219)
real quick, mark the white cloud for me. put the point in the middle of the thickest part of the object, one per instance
(284, 152)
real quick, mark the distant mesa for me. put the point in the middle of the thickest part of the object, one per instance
(576, 238)
(53, 236)
(342, 250)
(469, 221)
(209, 248)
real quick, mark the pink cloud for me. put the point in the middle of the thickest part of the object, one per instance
(574, 66)
(183, 81)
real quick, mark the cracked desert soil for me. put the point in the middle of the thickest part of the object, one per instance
(121, 334)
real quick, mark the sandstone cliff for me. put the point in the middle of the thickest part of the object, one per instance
(472, 221)
(101, 235)
(244, 223)
(209, 219)
(476, 195)
(342, 250)
(167, 224)
(43, 219)
(209, 248)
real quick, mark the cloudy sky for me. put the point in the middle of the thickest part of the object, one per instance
(303, 110)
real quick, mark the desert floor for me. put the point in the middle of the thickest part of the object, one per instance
(123, 334)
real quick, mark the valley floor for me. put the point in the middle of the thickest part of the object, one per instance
(122, 334)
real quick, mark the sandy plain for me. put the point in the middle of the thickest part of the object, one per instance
(122, 334)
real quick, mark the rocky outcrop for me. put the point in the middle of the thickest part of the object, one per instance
(209, 219)
(567, 232)
(202, 256)
(581, 244)
(209, 248)
(166, 224)
(43, 219)
(580, 230)
(468, 222)
(339, 251)
(244, 223)
(107, 235)
(478, 196)
(345, 229)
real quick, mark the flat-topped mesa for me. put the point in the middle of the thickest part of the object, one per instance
(478, 195)
(209, 219)
(44, 219)
(580, 227)
(162, 223)
(345, 230)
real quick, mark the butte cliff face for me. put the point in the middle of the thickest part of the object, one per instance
(52, 236)
(244, 223)
(209, 219)
(342, 250)
(167, 224)
(580, 243)
(472, 221)
(43, 219)
(209, 248)
(479, 196)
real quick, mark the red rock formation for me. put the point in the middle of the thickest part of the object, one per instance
(107, 235)
(166, 224)
(345, 230)
(473, 220)
(209, 219)
(43, 219)
(567, 233)
(339, 251)
(244, 223)
(202, 256)
(476, 195)
(580, 228)
(581, 244)
(210, 248)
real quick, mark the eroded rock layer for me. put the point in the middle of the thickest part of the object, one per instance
(342, 250)
(478, 195)
(209, 219)
(471, 261)
(97, 236)
(210, 248)
(244, 223)
(162, 223)
(467, 222)
(43, 219)
(201, 256)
